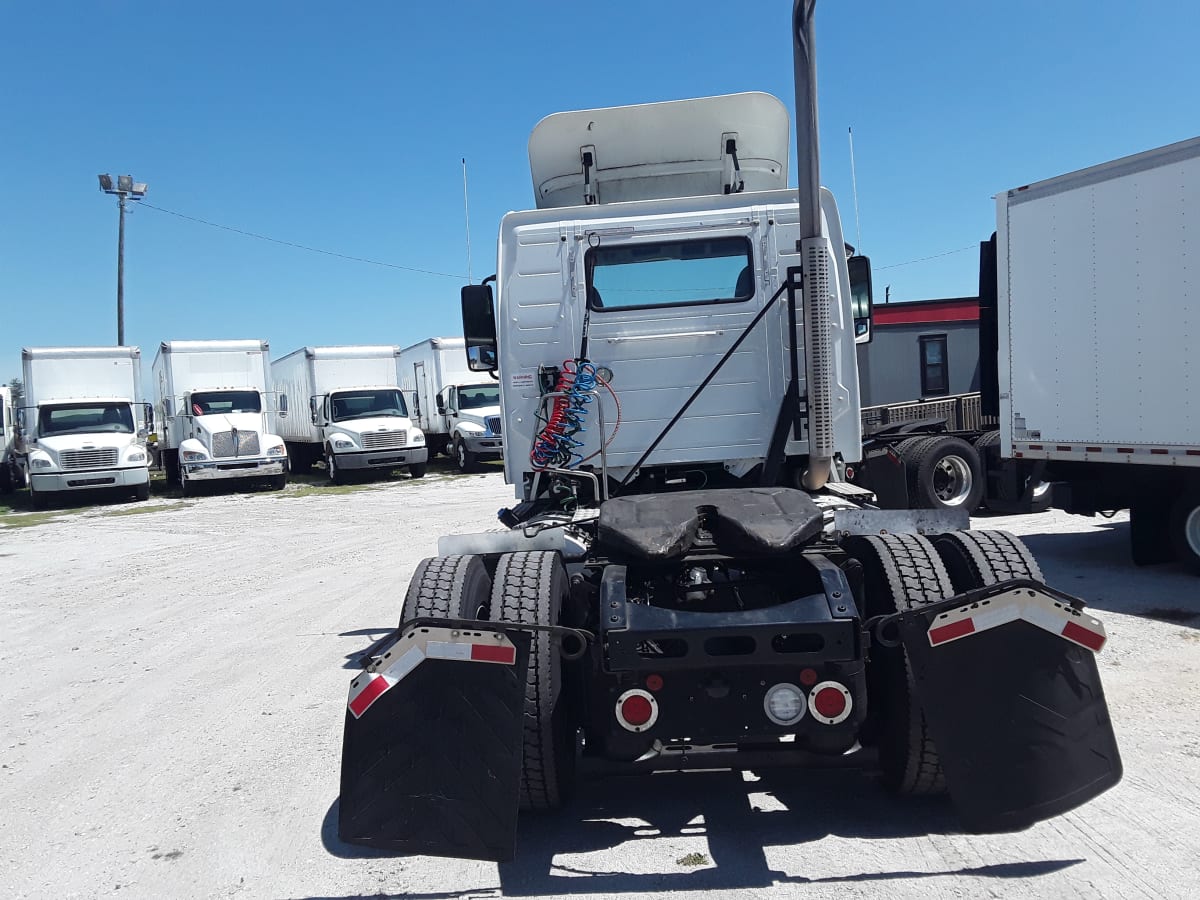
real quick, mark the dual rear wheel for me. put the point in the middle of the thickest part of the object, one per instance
(529, 588)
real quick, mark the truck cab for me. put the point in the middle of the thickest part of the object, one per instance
(473, 420)
(9, 472)
(83, 425)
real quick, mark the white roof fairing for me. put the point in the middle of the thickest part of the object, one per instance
(660, 150)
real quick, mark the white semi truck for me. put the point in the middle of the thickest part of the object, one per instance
(458, 410)
(343, 405)
(213, 402)
(687, 580)
(83, 423)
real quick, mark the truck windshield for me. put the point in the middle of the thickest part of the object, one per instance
(210, 403)
(85, 418)
(475, 396)
(670, 273)
(366, 404)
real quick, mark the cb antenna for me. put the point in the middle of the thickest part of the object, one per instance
(467, 219)
(854, 188)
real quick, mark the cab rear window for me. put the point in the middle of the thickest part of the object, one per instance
(670, 273)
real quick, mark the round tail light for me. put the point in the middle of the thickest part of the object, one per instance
(637, 710)
(830, 703)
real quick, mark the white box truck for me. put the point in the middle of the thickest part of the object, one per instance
(83, 425)
(458, 410)
(1098, 318)
(8, 468)
(213, 400)
(344, 405)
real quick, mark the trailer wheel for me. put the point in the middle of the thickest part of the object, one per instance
(945, 474)
(902, 571)
(448, 587)
(1185, 528)
(530, 588)
(976, 559)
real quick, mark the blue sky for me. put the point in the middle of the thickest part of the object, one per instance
(342, 126)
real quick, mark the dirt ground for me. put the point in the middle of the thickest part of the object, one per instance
(173, 677)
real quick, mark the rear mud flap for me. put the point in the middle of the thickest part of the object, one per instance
(1008, 682)
(431, 757)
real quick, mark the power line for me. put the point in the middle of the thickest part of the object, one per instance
(263, 237)
(924, 258)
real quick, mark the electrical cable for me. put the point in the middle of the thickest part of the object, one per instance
(263, 237)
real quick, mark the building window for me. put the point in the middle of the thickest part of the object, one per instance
(935, 374)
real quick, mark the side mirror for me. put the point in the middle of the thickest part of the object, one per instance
(283, 406)
(148, 417)
(479, 327)
(861, 297)
(312, 409)
(441, 405)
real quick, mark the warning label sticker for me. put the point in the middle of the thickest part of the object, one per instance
(521, 380)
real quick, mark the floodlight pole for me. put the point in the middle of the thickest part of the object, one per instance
(121, 272)
(126, 188)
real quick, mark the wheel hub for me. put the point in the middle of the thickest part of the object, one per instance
(952, 480)
(1191, 530)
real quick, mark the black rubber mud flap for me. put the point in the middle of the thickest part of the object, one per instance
(431, 759)
(1008, 681)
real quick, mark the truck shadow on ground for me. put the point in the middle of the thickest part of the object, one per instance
(738, 820)
(1096, 566)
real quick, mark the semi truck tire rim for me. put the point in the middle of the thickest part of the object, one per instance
(952, 481)
(1191, 530)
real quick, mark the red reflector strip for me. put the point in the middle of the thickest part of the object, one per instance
(1018, 454)
(1159, 452)
(368, 695)
(1193, 452)
(1125, 450)
(1035, 447)
(1094, 449)
(1061, 449)
(944, 633)
(1075, 632)
(497, 653)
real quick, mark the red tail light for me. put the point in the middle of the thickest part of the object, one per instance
(637, 710)
(830, 703)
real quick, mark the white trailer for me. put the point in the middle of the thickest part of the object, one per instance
(344, 405)
(213, 400)
(82, 424)
(459, 410)
(1098, 319)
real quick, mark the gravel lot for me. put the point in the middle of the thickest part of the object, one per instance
(172, 684)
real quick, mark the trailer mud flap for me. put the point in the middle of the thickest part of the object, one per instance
(1008, 682)
(431, 757)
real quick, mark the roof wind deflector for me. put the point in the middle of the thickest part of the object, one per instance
(587, 155)
(735, 184)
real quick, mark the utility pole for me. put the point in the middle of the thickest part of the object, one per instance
(126, 189)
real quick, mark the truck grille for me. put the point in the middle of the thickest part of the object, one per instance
(89, 459)
(384, 440)
(246, 444)
(493, 424)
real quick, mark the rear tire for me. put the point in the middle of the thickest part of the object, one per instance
(902, 571)
(448, 587)
(945, 474)
(531, 588)
(1185, 529)
(976, 559)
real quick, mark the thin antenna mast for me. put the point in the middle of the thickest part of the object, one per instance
(854, 186)
(467, 219)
